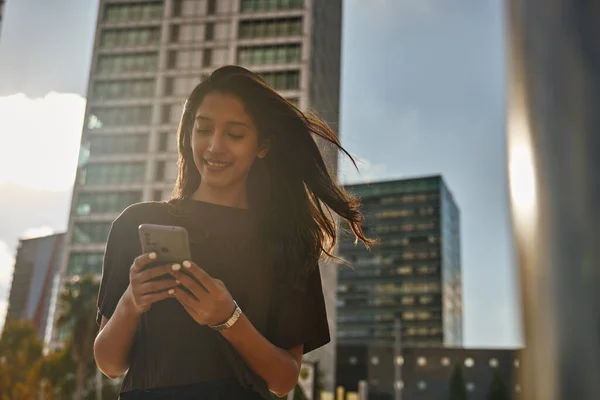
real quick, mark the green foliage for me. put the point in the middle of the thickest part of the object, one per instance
(458, 390)
(498, 390)
(20, 360)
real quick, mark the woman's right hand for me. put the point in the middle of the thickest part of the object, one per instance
(143, 290)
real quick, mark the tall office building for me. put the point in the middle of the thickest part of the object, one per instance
(413, 274)
(1, 13)
(36, 267)
(148, 55)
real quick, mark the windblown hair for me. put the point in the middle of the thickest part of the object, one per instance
(290, 189)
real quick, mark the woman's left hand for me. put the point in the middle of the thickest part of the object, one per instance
(209, 303)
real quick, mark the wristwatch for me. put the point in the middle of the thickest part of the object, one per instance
(230, 321)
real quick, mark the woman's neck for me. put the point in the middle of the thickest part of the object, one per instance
(226, 197)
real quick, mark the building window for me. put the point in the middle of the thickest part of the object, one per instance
(353, 360)
(165, 116)
(123, 89)
(129, 37)
(91, 232)
(124, 63)
(445, 361)
(167, 142)
(172, 59)
(517, 364)
(84, 263)
(421, 361)
(168, 89)
(118, 144)
(113, 173)
(269, 5)
(400, 360)
(207, 58)
(276, 54)
(270, 28)
(470, 387)
(123, 116)
(176, 11)
(159, 172)
(174, 33)
(211, 7)
(422, 385)
(282, 80)
(133, 11)
(209, 31)
(375, 360)
(469, 362)
(105, 202)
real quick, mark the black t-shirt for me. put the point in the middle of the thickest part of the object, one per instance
(170, 348)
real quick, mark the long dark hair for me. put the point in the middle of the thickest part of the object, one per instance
(291, 189)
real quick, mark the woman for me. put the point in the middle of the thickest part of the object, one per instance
(253, 192)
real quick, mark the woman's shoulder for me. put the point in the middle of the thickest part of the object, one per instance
(142, 212)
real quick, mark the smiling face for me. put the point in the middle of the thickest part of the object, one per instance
(225, 143)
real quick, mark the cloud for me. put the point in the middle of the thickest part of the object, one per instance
(7, 262)
(368, 171)
(40, 140)
(41, 231)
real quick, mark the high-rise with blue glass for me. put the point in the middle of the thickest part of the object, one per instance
(413, 274)
(148, 55)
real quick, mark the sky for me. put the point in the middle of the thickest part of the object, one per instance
(423, 92)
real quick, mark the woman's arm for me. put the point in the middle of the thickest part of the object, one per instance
(210, 303)
(113, 344)
(278, 367)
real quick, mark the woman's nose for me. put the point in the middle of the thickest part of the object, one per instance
(216, 144)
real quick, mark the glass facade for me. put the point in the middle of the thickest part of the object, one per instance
(82, 263)
(283, 80)
(129, 37)
(273, 54)
(403, 276)
(134, 11)
(90, 232)
(113, 173)
(269, 5)
(105, 202)
(270, 28)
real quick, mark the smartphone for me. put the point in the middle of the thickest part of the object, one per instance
(170, 243)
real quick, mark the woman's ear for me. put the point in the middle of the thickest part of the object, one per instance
(263, 150)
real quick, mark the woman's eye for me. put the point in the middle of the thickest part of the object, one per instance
(203, 131)
(236, 137)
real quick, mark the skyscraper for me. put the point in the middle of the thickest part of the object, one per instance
(1, 13)
(148, 55)
(413, 274)
(36, 267)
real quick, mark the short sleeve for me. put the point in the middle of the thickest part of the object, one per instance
(118, 257)
(299, 317)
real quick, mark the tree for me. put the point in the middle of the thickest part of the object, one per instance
(458, 390)
(78, 305)
(20, 360)
(497, 389)
(58, 372)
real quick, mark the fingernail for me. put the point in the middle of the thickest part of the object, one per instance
(187, 264)
(171, 291)
(177, 282)
(152, 255)
(175, 267)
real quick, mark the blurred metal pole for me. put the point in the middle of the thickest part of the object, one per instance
(363, 390)
(397, 354)
(554, 174)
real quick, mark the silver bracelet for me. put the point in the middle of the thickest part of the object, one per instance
(230, 321)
